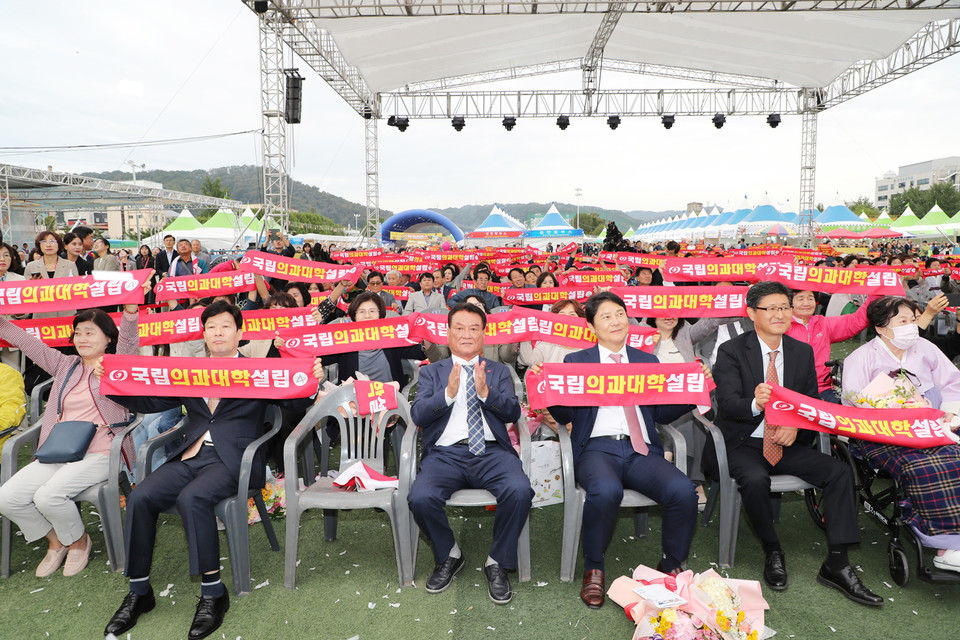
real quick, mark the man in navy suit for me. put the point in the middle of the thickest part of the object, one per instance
(747, 366)
(463, 404)
(617, 447)
(201, 472)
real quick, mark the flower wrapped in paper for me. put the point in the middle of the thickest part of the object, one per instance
(888, 391)
(702, 606)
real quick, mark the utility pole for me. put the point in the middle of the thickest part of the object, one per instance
(579, 193)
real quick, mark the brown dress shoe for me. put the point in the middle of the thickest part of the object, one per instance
(593, 590)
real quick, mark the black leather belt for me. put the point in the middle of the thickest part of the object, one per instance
(619, 436)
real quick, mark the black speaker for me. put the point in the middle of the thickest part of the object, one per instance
(260, 6)
(291, 111)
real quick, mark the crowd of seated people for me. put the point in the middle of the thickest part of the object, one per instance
(471, 386)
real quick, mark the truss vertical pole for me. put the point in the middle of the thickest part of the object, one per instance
(808, 170)
(6, 217)
(273, 133)
(372, 226)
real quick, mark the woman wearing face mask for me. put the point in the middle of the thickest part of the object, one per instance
(930, 477)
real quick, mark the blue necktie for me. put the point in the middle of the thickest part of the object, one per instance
(475, 441)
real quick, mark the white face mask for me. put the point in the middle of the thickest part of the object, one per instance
(905, 336)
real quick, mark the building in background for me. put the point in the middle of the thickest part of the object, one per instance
(920, 175)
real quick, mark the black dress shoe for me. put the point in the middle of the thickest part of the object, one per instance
(498, 584)
(209, 615)
(130, 609)
(443, 574)
(775, 571)
(847, 582)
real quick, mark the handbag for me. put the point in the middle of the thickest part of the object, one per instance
(68, 440)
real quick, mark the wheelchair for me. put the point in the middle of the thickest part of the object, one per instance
(880, 496)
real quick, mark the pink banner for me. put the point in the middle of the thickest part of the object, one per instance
(269, 378)
(737, 269)
(204, 285)
(546, 295)
(612, 385)
(295, 269)
(71, 294)
(684, 302)
(915, 428)
(833, 279)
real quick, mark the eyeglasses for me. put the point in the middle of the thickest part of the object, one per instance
(775, 310)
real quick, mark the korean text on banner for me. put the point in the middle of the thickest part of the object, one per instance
(274, 266)
(683, 302)
(70, 294)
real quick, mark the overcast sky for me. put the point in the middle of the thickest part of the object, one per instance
(112, 71)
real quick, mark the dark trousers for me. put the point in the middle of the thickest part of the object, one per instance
(604, 469)
(449, 469)
(195, 486)
(752, 473)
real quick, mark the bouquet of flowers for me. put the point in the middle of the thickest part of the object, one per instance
(690, 606)
(888, 391)
(274, 497)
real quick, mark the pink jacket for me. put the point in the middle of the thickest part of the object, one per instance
(58, 365)
(822, 331)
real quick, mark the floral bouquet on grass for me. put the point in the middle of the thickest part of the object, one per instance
(888, 391)
(690, 606)
(274, 497)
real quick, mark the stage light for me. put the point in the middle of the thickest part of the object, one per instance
(458, 123)
(613, 122)
(668, 121)
(509, 123)
(773, 120)
(398, 122)
(294, 92)
(563, 122)
(718, 120)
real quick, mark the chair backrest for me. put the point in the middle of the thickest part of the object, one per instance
(361, 437)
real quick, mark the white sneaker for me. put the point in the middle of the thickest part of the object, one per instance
(950, 560)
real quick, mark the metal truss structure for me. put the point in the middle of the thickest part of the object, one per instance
(274, 127)
(434, 8)
(293, 22)
(5, 211)
(372, 162)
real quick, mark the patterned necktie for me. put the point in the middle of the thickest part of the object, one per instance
(633, 421)
(771, 451)
(475, 441)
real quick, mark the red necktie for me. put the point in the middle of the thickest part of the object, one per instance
(633, 421)
(771, 451)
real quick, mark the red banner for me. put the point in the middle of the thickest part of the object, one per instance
(294, 269)
(613, 385)
(54, 332)
(496, 288)
(346, 336)
(350, 256)
(915, 428)
(71, 294)
(495, 234)
(833, 279)
(400, 293)
(446, 256)
(269, 378)
(204, 285)
(684, 302)
(374, 397)
(633, 259)
(736, 269)
(520, 325)
(546, 295)
(593, 278)
(411, 268)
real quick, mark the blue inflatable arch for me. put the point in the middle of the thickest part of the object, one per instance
(412, 220)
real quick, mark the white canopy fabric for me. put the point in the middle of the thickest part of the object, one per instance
(808, 49)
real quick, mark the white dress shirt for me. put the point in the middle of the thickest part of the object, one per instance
(456, 429)
(778, 363)
(612, 421)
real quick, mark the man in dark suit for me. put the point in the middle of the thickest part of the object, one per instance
(463, 404)
(746, 368)
(616, 447)
(200, 473)
(166, 256)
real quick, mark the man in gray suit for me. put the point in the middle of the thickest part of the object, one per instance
(426, 298)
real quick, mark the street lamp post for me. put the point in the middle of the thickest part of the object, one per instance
(123, 213)
(579, 193)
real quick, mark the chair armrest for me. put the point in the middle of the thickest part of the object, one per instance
(719, 445)
(246, 462)
(116, 451)
(407, 465)
(823, 443)
(679, 445)
(148, 448)
(35, 400)
(291, 445)
(566, 461)
(11, 449)
(525, 449)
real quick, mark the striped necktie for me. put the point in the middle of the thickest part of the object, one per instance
(475, 440)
